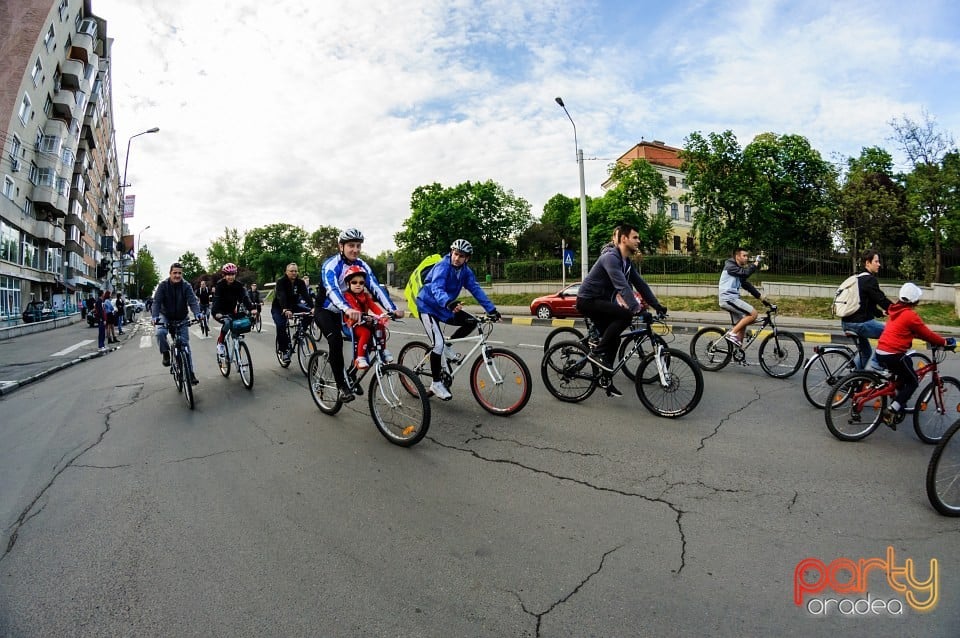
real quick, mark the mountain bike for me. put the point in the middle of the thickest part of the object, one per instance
(832, 362)
(781, 352)
(180, 360)
(943, 473)
(859, 399)
(499, 378)
(301, 341)
(668, 382)
(398, 401)
(204, 320)
(236, 351)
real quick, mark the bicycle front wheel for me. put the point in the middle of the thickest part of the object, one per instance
(710, 349)
(680, 389)
(943, 473)
(258, 323)
(823, 372)
(305, 350)
(565, 333)
(567, 373)
(176, 370)
(323, 385)
(503, 387)
(848, 417)
(936, 410)
(186, 374)
(223, 362)
(415, 356)
(401, 418)
(781, 354)
(245, 365)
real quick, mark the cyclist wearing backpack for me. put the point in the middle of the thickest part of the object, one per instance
(873, 304)
(438, 304)
(332, 305)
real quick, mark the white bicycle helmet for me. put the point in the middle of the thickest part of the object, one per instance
(350, 234)
(463, 246)
(910, 292)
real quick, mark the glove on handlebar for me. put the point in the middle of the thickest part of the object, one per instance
(495, 315)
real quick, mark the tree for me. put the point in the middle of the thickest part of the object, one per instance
(145, 270)
(637, 185)
(227, 248)
(192, 268)
(483, 213)
(321, 244)
(270, 248)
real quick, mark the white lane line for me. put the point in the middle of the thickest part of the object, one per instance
(67, 351)
(146, 341)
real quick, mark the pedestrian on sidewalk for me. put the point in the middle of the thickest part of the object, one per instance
(120, 306)
(99, 315)
(110, 316)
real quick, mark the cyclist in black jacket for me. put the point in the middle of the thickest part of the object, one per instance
(873, 304)
(289, 296)
(229, 295)
(173, 298)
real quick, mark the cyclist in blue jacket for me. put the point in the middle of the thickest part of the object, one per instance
(438, 304)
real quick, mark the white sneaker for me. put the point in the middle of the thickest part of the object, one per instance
(440, 391)
(221, 350)
(449, 354)
(362, 363)
(387, 356)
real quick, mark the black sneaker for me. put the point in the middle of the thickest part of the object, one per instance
(612, 391)
(194, 380)
(345, 396)
(166, 359)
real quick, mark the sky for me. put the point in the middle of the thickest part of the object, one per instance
(322, 113)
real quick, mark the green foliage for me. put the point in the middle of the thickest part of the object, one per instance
(192, 267)
(270, 248)
(224, 249)
(871, 207)
(637, 184)
(532, 270)
(145, 273)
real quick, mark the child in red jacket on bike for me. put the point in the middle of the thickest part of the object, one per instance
(355, 279)
(904, 326)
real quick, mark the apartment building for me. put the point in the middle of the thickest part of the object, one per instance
(60, 210)
(666, 160)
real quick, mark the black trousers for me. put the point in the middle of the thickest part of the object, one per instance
(611, 320)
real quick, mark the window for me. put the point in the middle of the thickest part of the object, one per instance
(674, 211)
(676, 243)
(80, 184)
(50, 144)
(9, 242)
(9, 296)
(690, 246)
(45, 177)
(24, 112)
(28, 208)
(661, 207)
(31, 253)
(67, 156)
(686, 212)
(15, 148)
(49, 40)
(74, 234)
(48, 105)
(62, 9)
(37, 72)
(672, 180)
(89, 27)
(63, 186)
(8, 187)
(683, 183)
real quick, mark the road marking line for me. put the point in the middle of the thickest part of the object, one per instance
(67, 351)
(146, 341)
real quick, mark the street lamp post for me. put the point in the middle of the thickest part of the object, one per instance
(584, 265)
(139, 269)
(126, 163)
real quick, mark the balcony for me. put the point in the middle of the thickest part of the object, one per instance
(72, 74)
(82, 47)
(64, 103)
(52, 234)
(74, 220)
(56, 128)
(48, 202)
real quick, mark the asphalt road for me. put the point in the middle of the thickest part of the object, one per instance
(123, 513)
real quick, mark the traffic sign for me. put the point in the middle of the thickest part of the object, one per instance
(568, 258)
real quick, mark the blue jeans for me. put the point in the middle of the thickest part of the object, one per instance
(865, 331)
(283, 337)
(162, 336)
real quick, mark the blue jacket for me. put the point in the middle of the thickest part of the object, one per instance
(333, 286)
(443, 285)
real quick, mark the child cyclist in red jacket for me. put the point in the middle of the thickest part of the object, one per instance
(355, 279)
(904, 326)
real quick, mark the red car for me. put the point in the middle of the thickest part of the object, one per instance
(560, 304)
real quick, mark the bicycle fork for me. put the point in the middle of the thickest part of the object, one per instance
(492, 370)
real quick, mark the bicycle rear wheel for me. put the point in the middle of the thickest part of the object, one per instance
(678, 393)
(934, 413)
(567, 373)
(305, 349)
(323, 385)
(245, 365)
(710, 349)
(565, 333)
(943, 473)
(823, 372)
(849, 418)
(415, 356)
(508, 395)
(401, 418)
(781, 354)
(186, 374)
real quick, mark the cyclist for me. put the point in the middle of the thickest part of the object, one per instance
(254, 295)
(332, 305)
(873, 304)
(203, 296)
(437, 302)
(355, 277)
(171, 301)
(229, 294)
(289, 296)
(611, 276)
(732, 279)
(904, 326)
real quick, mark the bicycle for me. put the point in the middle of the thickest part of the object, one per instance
(781, 352)
(180, 359)
(499, 379)
(257, 321)
(859, 399)
(236, 351)
(832, 362)
(301, 342)
(401, 420)
(668, 382)
(204, 320)
(943, 473)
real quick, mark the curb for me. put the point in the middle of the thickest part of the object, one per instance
(12, 386)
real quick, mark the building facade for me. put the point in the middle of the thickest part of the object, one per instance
(666, 160)
(60, 210)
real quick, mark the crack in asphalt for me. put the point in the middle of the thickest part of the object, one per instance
(544, 448)
(580, 585)
(28, 512)
(103, 467)
(673, 507)
(716, 430)
(201, 457)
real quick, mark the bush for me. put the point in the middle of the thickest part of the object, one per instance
(545, 269)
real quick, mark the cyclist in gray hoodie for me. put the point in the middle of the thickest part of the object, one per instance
(734, 276)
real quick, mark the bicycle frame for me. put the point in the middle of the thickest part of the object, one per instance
(484, 328)
(889, 387)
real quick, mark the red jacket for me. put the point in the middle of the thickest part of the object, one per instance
(904, 326)
(364, 303)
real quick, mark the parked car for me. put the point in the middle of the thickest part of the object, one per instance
(136, 304)
(562, 303)
(36, 311)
